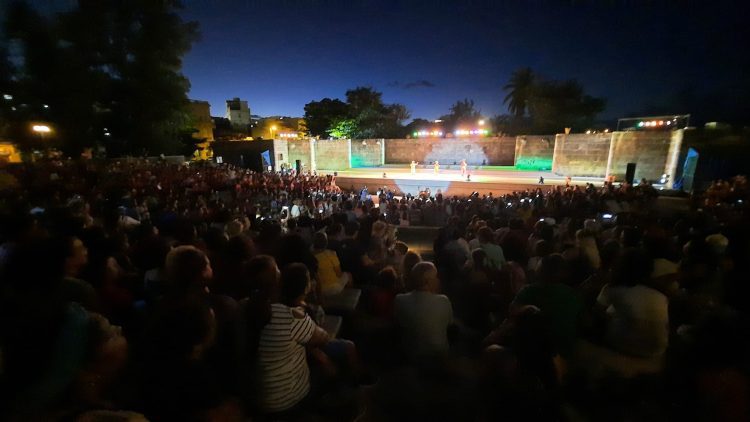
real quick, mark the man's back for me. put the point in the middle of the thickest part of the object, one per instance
(424, 319)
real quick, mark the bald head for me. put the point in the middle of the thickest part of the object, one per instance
(424, 277)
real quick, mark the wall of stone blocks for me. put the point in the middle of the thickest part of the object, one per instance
(281, 154)
(535, 152)
(581, 154)
(367, 152)
(649, 150)
(331, 154)
(300, 150)
(476, 151)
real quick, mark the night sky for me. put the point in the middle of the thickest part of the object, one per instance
(644, 56)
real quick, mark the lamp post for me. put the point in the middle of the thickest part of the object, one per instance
(273, 129)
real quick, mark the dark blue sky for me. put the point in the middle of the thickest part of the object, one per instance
(644, 56)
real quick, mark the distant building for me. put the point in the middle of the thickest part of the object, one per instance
(200, 114)
(200, 111)
(279, 127)
(238, 112)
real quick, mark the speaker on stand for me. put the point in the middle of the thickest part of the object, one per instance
(630, 173)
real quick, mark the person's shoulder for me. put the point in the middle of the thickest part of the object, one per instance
(647, 292)
(403, 297)
(298, 313)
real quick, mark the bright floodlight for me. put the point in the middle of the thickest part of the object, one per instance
(481, 122)
(41, 129)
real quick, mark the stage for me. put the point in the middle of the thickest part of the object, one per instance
(498, 180)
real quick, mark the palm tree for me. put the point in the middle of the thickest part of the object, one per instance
(521, 86)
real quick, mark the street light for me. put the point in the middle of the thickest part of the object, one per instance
(481, 122)
(41, 130)
(273, 129)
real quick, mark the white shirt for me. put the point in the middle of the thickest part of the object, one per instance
(282, 360)
(639, 322)
(424, 319)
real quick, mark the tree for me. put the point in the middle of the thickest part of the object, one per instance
(547, 106)
(52, 83)
(106, 64)
(374, 118)
(364, 112)
(461, 113)
(418, 124)
(560, 104)
(343, 128)
(364, 100)
(521, 91)
(322, 115)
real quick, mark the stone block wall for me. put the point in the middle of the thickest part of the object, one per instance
(281, 154)
(649, 150)
(535, 152)
(300, 150)
(331, 154)
(476, 151)
(581, 154)
(367, 152)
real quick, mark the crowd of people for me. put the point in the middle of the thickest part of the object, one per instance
(143, 290)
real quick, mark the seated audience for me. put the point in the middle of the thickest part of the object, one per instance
(637, 315)
(424, 315)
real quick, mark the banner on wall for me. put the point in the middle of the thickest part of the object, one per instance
(266, 157)
(685, 183)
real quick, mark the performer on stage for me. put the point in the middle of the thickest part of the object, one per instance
(463, 168)
(413, 167)
(437, 167)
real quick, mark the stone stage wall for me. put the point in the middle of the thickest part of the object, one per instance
(476, 151)
(535, 152)
(575, 155)
(603, 154)
(300, 150)
(331, 154)
(368, 152)
(653, 153)
(581, 154)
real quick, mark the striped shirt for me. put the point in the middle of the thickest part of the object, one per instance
(282, 359)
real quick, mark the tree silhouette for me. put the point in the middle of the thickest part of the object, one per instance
(521, 91)
(461, 113)
(104, 64)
